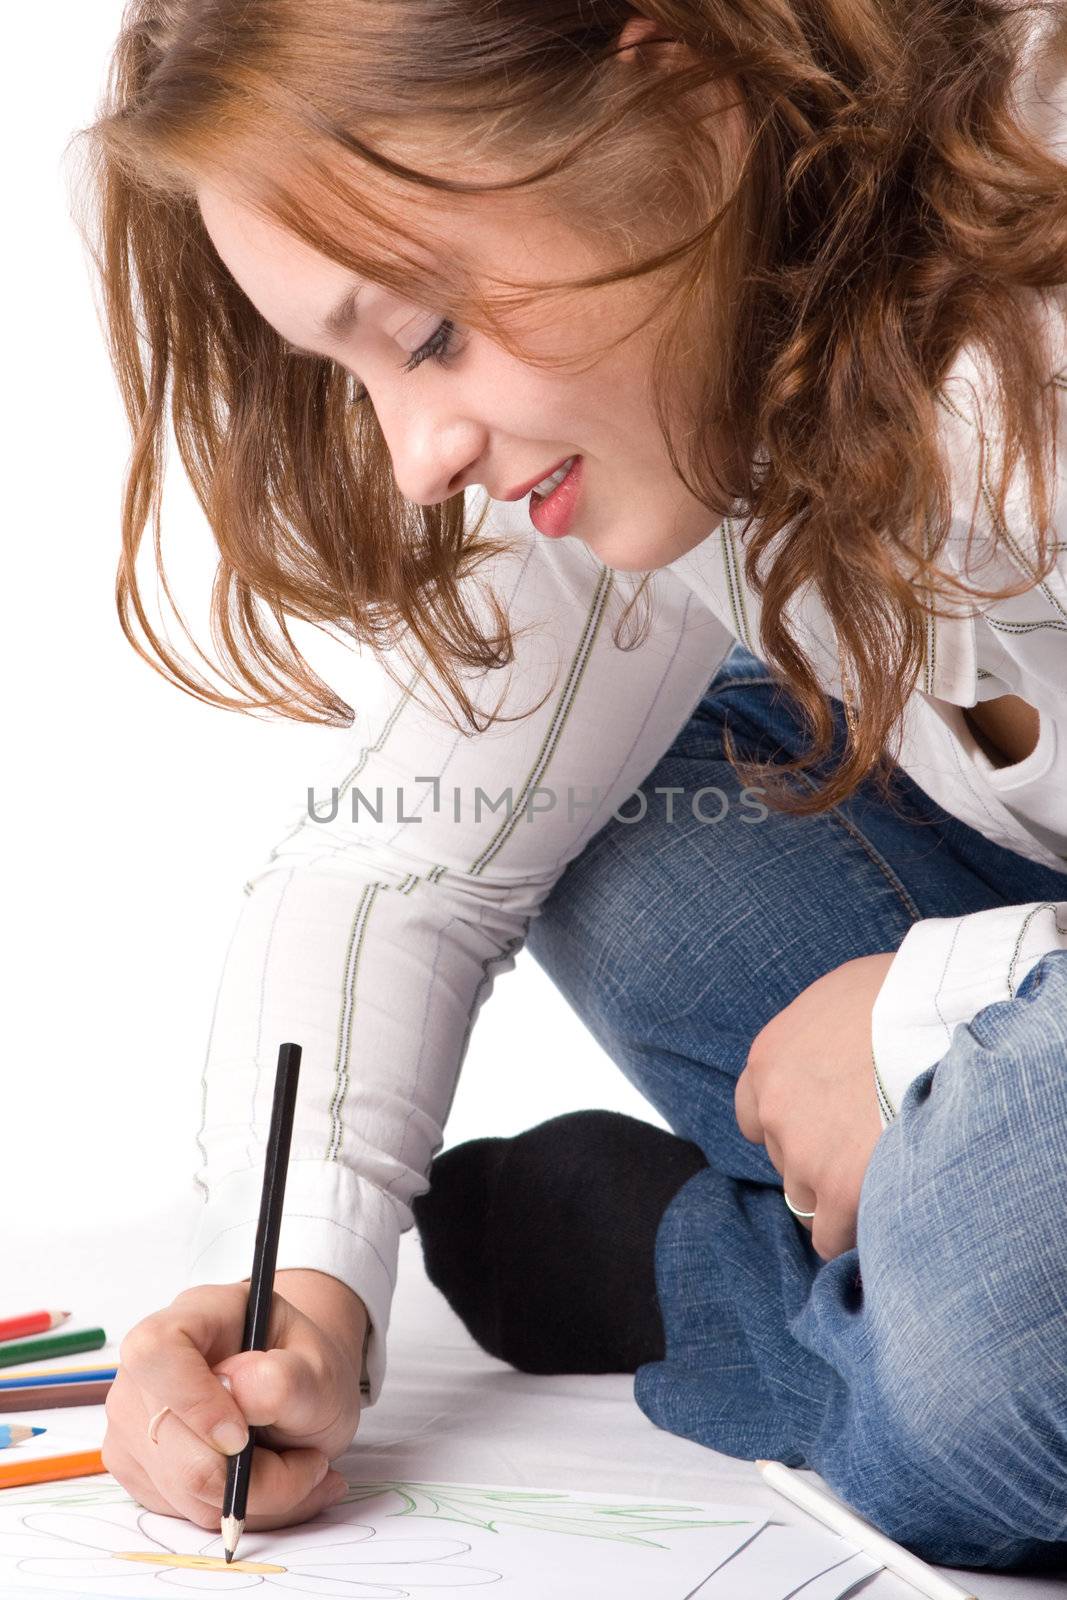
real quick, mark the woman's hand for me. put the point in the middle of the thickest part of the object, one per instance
(301, 1394)
(807, 1093)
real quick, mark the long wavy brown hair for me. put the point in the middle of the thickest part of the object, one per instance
(889, 205)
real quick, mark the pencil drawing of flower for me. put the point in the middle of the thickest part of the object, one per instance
(334, 1556)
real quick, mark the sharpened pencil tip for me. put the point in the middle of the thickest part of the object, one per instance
(230, 1530)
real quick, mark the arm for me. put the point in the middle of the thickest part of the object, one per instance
(944, 972)
(948, 968)
(373, 938)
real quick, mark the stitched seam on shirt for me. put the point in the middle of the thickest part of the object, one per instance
(344, 1030)
(884, 1102)
(1009, 539)
(424, 1043)
(1046, 905)
(1001, 528)
(882, 1091)
(949, 953)
(459, 740)
(554, 731)
(594, 824)
(930, 640)
(1002, 625)
(361, 760)
(735, 587)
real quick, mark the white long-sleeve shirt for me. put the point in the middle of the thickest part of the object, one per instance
(376, 928)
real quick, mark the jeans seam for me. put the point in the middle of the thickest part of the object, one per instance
(736, 683)
(883, 866)
(879, 860)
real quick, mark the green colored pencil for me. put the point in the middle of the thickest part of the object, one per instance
(13, 1351)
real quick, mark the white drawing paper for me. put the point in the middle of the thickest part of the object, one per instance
(790, 1562)
(387, 1541)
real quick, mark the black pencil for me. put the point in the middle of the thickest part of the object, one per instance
(261, 1287)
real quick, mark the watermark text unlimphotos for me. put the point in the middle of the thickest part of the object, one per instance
(709, 804)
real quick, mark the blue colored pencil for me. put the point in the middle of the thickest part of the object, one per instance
(40, 1379)
(15, 1432)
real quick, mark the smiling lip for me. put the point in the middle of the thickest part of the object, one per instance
(553, 514)
(517, 494)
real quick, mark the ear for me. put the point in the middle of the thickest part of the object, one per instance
(634, 33)
(638, 29)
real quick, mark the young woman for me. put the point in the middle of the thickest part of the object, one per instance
(752, 718)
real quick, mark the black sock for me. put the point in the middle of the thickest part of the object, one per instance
(543, 1243)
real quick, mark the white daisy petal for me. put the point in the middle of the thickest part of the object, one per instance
(83, 1528)
(381, 1551)
(14, 1544)
(425, 1575)
(177, 1535)
(184, 1578)
(108, 1586)
(340, 1588)
(296, 1540)
(73, 1566)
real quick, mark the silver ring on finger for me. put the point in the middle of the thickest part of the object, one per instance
(153, 1426)
(806, 1215)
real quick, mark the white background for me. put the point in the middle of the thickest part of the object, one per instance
(135, 812)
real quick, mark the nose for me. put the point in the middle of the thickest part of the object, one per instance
(435, 454)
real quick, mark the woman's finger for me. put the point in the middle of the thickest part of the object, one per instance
(774, 1150)
(166, 1356)
(803, 1198)
(746, 1109)
(140, 1486)
(330, 1492)
(286, 1486)
(834, 1233)
(282, 1390)
(190, 1472)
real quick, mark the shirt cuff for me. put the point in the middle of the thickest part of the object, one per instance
(945, 971)
(333, 1221)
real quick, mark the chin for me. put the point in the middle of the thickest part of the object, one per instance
(639, 554)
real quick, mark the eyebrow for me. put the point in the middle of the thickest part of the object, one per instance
(343, 317)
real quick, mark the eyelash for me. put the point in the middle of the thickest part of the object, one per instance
(438, 347)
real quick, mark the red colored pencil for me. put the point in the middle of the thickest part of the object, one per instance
(31, 1322)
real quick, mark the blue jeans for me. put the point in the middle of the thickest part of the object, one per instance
(930, 1394)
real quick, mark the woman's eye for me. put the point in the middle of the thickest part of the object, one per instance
(438, 347)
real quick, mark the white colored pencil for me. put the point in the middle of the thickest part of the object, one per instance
(861, 1533)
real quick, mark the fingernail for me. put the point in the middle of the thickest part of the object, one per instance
(337, 1493)
(321, 1473)
(226, 1381)
(230, 1438)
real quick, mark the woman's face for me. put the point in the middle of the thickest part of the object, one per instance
(487, 418)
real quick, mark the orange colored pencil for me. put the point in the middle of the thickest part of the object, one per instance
(81, 1465)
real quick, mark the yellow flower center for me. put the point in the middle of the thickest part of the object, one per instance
(203, 1563)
